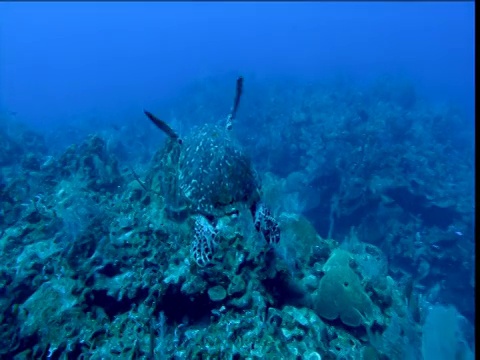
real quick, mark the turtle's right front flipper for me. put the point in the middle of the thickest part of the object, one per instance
(236, 102)
(266, 223)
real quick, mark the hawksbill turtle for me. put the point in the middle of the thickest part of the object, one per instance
(207, 174)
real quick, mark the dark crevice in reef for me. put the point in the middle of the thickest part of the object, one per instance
(26, 342)
(431, 214)
(285, 290)
(112, 306)
(178, 306)
(22, 292)
(110, 270)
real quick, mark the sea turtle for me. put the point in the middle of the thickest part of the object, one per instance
(206, 174)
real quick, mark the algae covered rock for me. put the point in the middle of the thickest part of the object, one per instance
(217, 293)
(53, 313)
(89, 162)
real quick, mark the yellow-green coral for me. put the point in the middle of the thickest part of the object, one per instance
(340, 293)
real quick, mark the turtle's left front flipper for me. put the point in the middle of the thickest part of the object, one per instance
(162, 125)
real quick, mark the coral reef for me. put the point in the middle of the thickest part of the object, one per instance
(342, 228)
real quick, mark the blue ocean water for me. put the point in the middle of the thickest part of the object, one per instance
(237, 180)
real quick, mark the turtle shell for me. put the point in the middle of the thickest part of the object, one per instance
(207, 173)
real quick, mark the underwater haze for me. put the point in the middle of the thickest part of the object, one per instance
(64, 60)
(237, 180)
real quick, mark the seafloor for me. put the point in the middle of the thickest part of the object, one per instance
(116, 243)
